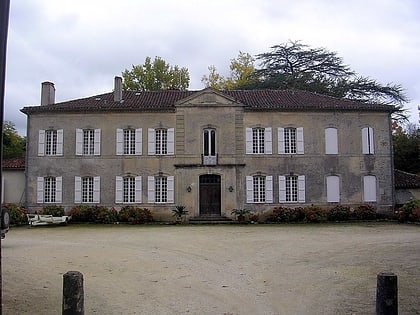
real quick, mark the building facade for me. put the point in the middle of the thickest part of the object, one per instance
(210, 151)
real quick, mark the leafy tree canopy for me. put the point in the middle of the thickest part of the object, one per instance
(406, 145)
(242, 71)
(155, 75)
(14, 146)
(293, 65)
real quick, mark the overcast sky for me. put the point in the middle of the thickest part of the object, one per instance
(81, 45)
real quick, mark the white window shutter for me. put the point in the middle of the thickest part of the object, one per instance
(120, 141)
(60, 139)
(371, 143)
(79, 141)
(331, 141)
(151, 189)
(333, 189)
(248, 140)
(171, 184)
(365, 141)
(41, 142)
(151, 141)
(282, 188)
(97, 142)
(299, 139)
(268, 141)
(269, 189)
(96, 189)
(301, 188)
(138, 190)
(139, 142)
(369, 188)
(40, 190)
(118, 189)
(77, 189)
(59, 189)
(171, 141)
(280, 135)
(249, 189)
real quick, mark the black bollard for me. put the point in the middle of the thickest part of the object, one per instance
(387, 294)
(73, 295)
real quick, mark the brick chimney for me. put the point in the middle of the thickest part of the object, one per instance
(47, 93)
(117, 89)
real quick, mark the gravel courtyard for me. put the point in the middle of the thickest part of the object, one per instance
(202, 269)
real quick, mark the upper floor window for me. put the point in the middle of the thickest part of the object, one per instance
(50, 142)
(369, 188)
(331, 141)
(88, 141)
(209, 142)
(128, 189)
(259, 189)
(129, 141)
(292, 188)
(368, 146)
(161, 141)
(259, 140)
(87, 189)
(160, 189)
(49, 189)
(290, 141)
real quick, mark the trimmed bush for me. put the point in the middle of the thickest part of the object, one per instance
(287, 215)
(339, 213)
(54, 210)
(365, 212)
(135, 215)
(105, 215)
(410, 211)
(315, 214)
(84, 213)
(17, 214)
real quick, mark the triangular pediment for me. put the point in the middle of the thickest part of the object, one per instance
(208, 97)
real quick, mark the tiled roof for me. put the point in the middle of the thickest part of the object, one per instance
(253, 100)
(18, 163)
(406, 180)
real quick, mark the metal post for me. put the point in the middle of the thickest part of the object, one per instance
(4, 25)
(73, 295)
(387, 294)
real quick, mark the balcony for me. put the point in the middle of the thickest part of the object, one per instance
(209, 159)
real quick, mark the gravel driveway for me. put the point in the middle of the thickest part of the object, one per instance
(202, 269)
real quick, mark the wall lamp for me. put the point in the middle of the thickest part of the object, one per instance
(189, 188)
(230, 188)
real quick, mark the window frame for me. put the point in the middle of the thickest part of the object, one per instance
(50, 186)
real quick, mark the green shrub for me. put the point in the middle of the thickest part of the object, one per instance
(285, 214)
(17, 214)
(106, 215)
(410, 211)
(54, 210)
(135, 215)
(315, 214)
(84, 213)
(339, 213)
(364, 212)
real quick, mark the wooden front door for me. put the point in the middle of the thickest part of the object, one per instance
(210, 195)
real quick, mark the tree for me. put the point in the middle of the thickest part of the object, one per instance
(294, 65)
(155, 76)
(406, 145)
(242, 71)
(14, 146)
(214, 79)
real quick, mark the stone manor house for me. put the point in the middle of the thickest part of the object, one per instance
(210, 151)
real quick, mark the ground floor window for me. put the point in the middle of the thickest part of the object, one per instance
(160, 189)
(49, 189)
